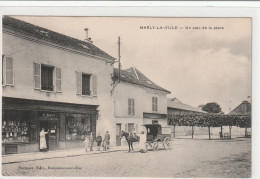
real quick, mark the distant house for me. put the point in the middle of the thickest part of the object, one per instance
(137, 101)
(243, 109)
(175, 106)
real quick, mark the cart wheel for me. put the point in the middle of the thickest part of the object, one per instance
(167, 143)
(155, 146)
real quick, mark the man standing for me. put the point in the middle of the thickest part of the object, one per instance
(106, 141)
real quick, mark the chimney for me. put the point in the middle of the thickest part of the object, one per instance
(87, 39)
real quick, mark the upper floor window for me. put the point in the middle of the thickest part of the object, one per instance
(7, 71)
(131, 107)
(47, 77)
(155, 104)
(86, 84)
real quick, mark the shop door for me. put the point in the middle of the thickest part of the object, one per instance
(45, 125)
(118, 130)
(53, 137)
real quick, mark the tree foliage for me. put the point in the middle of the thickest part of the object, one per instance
(211, 108)
(209, 120)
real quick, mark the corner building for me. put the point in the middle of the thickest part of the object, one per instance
(54, 82)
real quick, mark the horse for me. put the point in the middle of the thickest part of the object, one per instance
(130, 139)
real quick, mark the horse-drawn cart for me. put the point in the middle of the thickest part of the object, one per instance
(157, 134)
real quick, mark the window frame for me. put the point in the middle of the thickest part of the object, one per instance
(154, 104)
(131, 107)
(90, 86)
(54, 77)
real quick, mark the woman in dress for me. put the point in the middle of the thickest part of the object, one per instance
(142, 142)
(43, 144)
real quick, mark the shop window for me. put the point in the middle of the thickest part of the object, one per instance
(131, 107)
(77, 126)
(86, 84)
(154, 104)
(15, 126)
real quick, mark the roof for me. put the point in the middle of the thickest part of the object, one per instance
(243, 109)
(54, 37)
(134, 76)
(177, 104)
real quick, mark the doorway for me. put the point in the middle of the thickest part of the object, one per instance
(118, 138)
(52, 136)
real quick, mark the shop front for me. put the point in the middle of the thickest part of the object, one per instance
(67, 124)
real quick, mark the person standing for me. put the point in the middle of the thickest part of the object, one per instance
(86, 142)
(91, 141)
(99, 141)
(142, 142)
(43, 144)
(133, 133)
(106, 141)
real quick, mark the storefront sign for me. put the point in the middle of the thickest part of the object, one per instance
(154, 116)
(48, 116)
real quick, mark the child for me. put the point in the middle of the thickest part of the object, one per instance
(99, 140)
(86, 142)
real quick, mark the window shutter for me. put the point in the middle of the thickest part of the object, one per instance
(37, 75)
(94, 85)
(153, 103)
(133, 106)
(9, 71)
(79, 83)
(58, 80)
(129, 106)
(156, 104)
(3, 70)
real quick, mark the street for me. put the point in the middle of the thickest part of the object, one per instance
(188, 158)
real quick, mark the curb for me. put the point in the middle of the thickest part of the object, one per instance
(72, 155)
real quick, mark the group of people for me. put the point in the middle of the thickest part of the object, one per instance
(89, 140)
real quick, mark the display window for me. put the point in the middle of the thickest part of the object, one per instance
(15, 126)
(77, 126)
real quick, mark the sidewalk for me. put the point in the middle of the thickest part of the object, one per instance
(24, 157)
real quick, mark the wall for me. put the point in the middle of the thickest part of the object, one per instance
(25, 52)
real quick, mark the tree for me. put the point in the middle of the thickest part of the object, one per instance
(211, 108)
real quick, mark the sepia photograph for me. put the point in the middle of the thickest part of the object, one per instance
(163, 97)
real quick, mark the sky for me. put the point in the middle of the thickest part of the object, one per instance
(197, 65)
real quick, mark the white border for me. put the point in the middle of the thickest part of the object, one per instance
(159, 9)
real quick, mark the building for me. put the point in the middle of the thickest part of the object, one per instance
(55, 82)
(242, 109)
(137, 101)
(175, 106)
